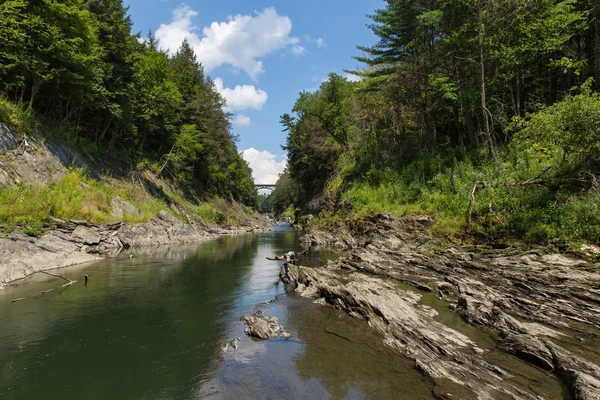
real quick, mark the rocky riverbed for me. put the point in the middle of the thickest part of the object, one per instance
(76, 242)
(542, 310)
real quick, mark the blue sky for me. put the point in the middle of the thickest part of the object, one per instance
(261, 54)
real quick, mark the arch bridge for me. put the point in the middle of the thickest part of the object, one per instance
(265, 186)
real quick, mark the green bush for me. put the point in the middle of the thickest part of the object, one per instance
(34, 230)
(208, 213)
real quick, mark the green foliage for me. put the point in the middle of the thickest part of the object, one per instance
(284, 195)
(208, 213)
(186, 148)
(34, 230)
(569, 129)
(16, 116)
(74, 69)
(5, 228)
(318, 133)
(74, 196)
(460, 98)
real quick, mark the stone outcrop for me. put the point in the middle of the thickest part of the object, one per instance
(75, 242)
(540, 307)
(121, 208)
(262, 327)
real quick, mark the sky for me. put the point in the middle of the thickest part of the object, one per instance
(261, 54)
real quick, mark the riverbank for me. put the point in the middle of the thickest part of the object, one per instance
(540, 307)
(60, 206)
(76, 242)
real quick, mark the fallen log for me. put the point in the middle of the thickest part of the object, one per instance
(58, 276)
(69, 283)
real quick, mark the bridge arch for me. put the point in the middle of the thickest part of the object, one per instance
(264, 186)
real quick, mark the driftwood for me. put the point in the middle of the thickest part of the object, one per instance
(69, 283)
(19, 299)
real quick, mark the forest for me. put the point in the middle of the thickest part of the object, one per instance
(482, 114)
(77, 67)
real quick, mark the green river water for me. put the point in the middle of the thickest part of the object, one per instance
(150, 327)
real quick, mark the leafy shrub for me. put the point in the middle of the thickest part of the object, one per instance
(34, 230)
(208, 213)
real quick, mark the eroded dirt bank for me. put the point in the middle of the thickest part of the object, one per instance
(76, 242)
(537, 313)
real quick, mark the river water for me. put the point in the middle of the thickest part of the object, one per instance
(151, 326)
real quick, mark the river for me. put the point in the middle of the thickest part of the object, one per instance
(149, 325)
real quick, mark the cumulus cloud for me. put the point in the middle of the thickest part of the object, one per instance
(240, 42)
(242, 97)
(242, 120)
(265, 167)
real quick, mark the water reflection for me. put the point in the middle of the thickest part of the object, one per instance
(150, 327)
(145, 327)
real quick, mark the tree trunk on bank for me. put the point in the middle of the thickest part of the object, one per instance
(486, 120)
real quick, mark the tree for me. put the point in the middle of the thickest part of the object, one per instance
(154, 97)
(118, 47)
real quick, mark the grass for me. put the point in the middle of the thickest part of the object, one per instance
(28, 207)
(17, 116)
(77, 196)
(74, 196)
(34, 230)
(533, 213)
(208, 213)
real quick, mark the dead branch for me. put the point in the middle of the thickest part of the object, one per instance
(542, 182)
(58, 276)
(69, 283)
(473, 209)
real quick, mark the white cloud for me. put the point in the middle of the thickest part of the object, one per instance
(298, 50)
(239, 42)
(265, 167)
(242, 97)
(353, 78)
(242, 120)
(320, 42)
